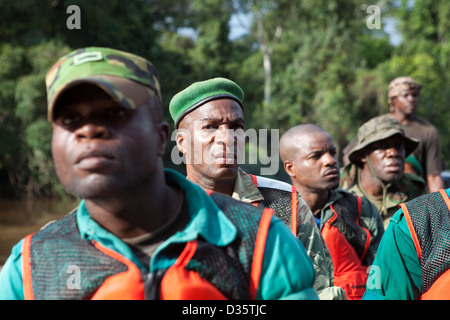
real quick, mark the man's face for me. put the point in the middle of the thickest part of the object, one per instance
(315, 166)
(210, 136)
(100, 148)
(387, 158)
(406, 102)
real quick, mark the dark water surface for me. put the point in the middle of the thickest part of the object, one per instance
(21, 217)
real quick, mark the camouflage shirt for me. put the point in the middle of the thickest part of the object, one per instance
(307, 232)
(405, 189)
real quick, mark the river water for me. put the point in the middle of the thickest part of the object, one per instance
(21, 217)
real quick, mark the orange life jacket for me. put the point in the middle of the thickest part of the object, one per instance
(106, 274)
(348, 243)
(428, 220)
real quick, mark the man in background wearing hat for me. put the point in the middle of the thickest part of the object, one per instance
(378, 159)
(426, 160)
(209, 119)
(351, 226)
(140, 231)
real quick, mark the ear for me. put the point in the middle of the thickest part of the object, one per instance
(182, 140)
(363, 159)
(289, 167)
(163, 134)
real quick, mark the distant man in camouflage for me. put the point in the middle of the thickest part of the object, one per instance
(209, 118)
(377, 166)
(426, 160)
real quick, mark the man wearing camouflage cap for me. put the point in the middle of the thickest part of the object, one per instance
(210, 124)
(378, 161)
(141, 231)
(403, 98)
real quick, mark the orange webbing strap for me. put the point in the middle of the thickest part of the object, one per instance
(440, 290)
(411, 229)
(126, 285)
(294, 211)
(254, 179)
(26, 268)
(181, 284)
(446, 198)
(258, 253)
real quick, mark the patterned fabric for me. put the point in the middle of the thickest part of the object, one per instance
(378, 129)
(228, 268)
(63, 237)
(219, 265)
(400, 84)
(114, 71)
(277, 195)
(430, 217)
(347, 222)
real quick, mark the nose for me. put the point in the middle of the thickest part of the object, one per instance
(226, 135)
(91, 131)
(392, 152)
(329, 160)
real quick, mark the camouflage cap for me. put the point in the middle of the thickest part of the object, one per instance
(401, 84)
(129, 79)
(377, 129)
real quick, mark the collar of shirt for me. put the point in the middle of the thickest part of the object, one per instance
(206, 220)
(245, 189)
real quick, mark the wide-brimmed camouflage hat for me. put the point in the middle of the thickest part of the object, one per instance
(129, 79)
(378, 129)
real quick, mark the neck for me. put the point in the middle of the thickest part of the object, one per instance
(136, 211)
(221, 185)
(369, 183)
(315, 200)
(401, 117)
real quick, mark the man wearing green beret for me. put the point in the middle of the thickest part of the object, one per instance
(141, 231)
(209, 122)
(377, 166)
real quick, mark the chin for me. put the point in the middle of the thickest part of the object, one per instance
(225, 172)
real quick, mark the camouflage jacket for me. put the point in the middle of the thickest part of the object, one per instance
(405, 189)
(370, 219)
(307, 232)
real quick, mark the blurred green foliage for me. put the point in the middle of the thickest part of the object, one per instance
(327, 67)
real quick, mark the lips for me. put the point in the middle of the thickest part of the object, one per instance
(332, 172)
(226, 158)
(94, 160)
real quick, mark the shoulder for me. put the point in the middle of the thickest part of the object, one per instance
(263, 182)
(417, 120)
(411, 180)
(422, 127)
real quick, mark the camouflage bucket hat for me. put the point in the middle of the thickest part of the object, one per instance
(129, 79)
(377, 129)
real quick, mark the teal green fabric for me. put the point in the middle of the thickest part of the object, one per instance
(287, 270)
(200, 93)
(396, 273)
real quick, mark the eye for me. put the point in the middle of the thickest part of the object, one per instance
(70, 120)
(119, 113)
(209, 126)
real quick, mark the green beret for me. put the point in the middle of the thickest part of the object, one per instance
(202, 92)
